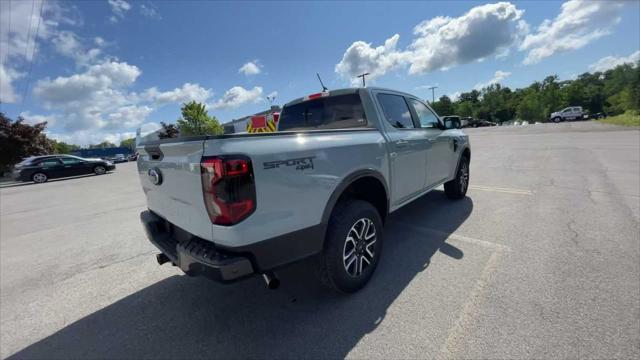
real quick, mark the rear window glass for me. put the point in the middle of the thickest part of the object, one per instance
(334, 112)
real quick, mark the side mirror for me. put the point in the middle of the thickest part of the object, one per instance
(451, 124)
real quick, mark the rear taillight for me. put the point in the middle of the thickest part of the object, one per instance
(228, 187)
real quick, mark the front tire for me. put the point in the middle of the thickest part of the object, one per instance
(352, 246)
(556, 119)
(457, 188)
(39, 178)
(99, 170)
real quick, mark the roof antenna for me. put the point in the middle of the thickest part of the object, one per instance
(324, 88)
(362, 76)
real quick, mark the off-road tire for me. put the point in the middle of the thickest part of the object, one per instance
(331, 263)
(457, 188)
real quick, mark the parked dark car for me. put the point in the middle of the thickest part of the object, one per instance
(133, 157)
(39, 169)
(471, 122)
(119, 158)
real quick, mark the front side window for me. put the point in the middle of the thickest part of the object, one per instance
(332, 112)
(566, 111)
(427, 118)
(396, 111)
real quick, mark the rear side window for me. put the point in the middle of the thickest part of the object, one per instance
(49, 162)
(333, 112)
(396, 111)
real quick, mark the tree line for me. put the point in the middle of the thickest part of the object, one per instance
(611, 92)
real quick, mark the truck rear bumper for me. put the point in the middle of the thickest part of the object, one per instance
(194, 256)
(198, 257)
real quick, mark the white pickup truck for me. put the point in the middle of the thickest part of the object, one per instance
(320, 188)
(570, 113)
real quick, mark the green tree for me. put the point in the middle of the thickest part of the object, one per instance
(128, 143)
(61, 147)
(168, 131)
(195, 120)
(464, 108)
(19, 140)
(443, 106)
(103, 145)
(531, 107)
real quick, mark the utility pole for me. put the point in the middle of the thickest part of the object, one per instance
(433, 93)
(271, 99)
(362, 76)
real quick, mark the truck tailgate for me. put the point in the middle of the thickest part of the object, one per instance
(177, 196)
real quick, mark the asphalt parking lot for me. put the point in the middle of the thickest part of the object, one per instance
(541, 260)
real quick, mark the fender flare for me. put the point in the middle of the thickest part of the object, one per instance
(462, 150)
(345, 183)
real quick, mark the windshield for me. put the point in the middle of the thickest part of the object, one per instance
(334, 112)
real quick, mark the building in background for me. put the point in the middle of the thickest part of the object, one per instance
(102, 153)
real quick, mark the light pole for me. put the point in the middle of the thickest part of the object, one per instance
(362, 76)
(433, 93)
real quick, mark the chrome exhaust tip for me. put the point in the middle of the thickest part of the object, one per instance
(271, 280)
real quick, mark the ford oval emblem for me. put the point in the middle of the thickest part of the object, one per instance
(155, 176)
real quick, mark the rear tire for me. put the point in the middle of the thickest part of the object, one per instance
(352, 248)
(39, 178)
(457, 188)
(99, 170)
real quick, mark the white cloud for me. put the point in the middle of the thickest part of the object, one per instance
(361, 58)
(251, 68)
(188, 92)
(127, 117)
(497, 78)
(119, 9)
(609, 62)
(579, 23)
(97, 104)
(237, 96)
(87, 98)
(68, 44)
(18, 43)
(440, 43)
(151, 11)
(7, 76)
(87, 137)
(33, 119)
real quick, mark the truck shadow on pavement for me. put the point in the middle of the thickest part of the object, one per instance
(182, 317)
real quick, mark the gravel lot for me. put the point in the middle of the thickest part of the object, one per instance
(541, 260)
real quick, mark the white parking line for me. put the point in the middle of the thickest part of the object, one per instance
(472, 306)
(502, 190)
(470, 310)
(454, 236)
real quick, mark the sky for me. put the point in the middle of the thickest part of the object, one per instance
(98, 70)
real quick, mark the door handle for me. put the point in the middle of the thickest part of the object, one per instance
(402, 143)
